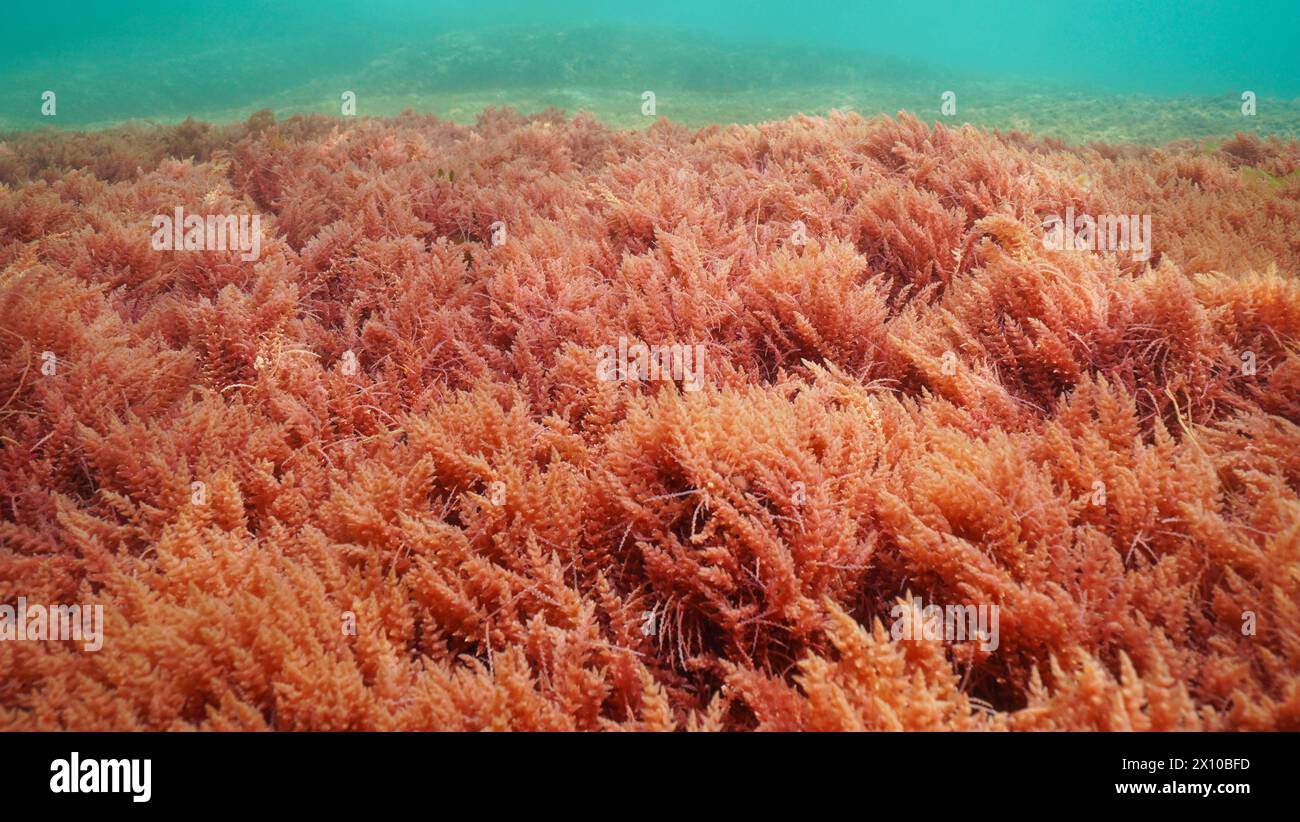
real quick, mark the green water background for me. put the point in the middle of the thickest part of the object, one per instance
(1144, 71)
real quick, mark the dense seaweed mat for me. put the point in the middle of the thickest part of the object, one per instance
(500, 521)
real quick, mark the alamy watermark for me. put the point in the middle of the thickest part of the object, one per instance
(77, 775)
(38, 623)
(1106, 232)
(638, 361)
(213, 232)
(952, 623)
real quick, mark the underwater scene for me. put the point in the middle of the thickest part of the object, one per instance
(713, 365)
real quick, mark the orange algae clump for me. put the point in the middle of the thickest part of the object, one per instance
(375, 478)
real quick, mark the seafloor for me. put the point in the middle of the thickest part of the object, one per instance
(374, 478)
(697, 80)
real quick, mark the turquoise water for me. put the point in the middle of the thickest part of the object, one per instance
(1107, 69)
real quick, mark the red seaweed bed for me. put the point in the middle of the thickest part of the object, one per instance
(420, 507)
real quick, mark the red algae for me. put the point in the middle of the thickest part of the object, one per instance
(375, 478)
